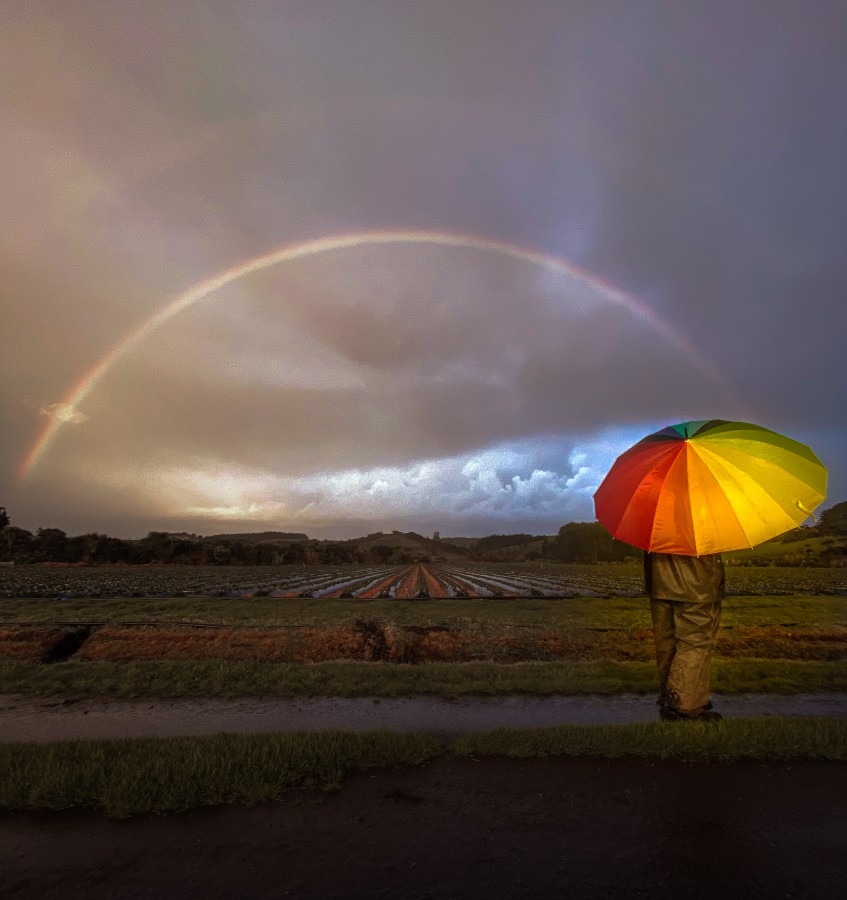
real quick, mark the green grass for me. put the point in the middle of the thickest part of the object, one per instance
(127, 777)
(797, 610)
(731, 739)
(130, 777)
(359, 679)
(778, 676)
(775, 550)
(591, 612)
(266, 612)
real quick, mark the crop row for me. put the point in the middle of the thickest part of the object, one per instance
(415, 581)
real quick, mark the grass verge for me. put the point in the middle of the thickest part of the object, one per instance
(130, 777)
(731, 739)
(584, 612)
(127, 777)
(213, 678)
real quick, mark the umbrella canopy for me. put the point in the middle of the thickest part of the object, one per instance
(708, 487)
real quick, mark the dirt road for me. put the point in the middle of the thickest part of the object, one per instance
(46, 719)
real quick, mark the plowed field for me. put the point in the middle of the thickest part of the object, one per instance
(417, 581)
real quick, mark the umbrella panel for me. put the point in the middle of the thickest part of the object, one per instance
(672, 529)
(639, 474)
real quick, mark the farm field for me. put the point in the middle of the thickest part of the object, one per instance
(418, 581)
(348, 631)
(470, 597)
(386, 647)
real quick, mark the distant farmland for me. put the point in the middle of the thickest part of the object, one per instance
(418, 581)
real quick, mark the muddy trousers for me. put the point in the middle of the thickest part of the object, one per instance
(685, 636)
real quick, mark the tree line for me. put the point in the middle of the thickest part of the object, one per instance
(162, 548)
(580, 542)
(575, 542)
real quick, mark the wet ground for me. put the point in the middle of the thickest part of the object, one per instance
(48, 719)
(454, 829)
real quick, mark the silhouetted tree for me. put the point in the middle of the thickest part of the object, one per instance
(18, 543)
(834, 520)
(382, 552)
(294, 555)
(51, 545)
(588, 542)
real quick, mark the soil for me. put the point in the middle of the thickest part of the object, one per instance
(492, 828)
(51, 719)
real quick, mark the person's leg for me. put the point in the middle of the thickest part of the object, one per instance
(696, 625)
(665, 641)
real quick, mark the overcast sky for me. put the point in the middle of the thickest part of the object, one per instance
(628, 214)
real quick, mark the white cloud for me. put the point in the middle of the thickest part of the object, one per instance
(63, 412)
(490, 488)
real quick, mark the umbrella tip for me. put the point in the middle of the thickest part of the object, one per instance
(803, 509)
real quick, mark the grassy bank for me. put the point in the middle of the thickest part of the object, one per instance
(126, 777)
(356, 679)
(129, 777)
(373, 642)
(731, 739)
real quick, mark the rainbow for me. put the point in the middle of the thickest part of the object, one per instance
(67, 409)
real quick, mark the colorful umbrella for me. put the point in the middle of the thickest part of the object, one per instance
(708, 487)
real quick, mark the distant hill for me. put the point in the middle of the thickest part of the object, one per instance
(410, 541)
(260, 537)
(466, 542)
(501, 547)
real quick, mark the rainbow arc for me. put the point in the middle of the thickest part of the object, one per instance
(68, 407)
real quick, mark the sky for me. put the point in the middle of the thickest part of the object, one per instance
(342, 267)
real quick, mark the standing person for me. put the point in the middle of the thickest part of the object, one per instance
(686, 593)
